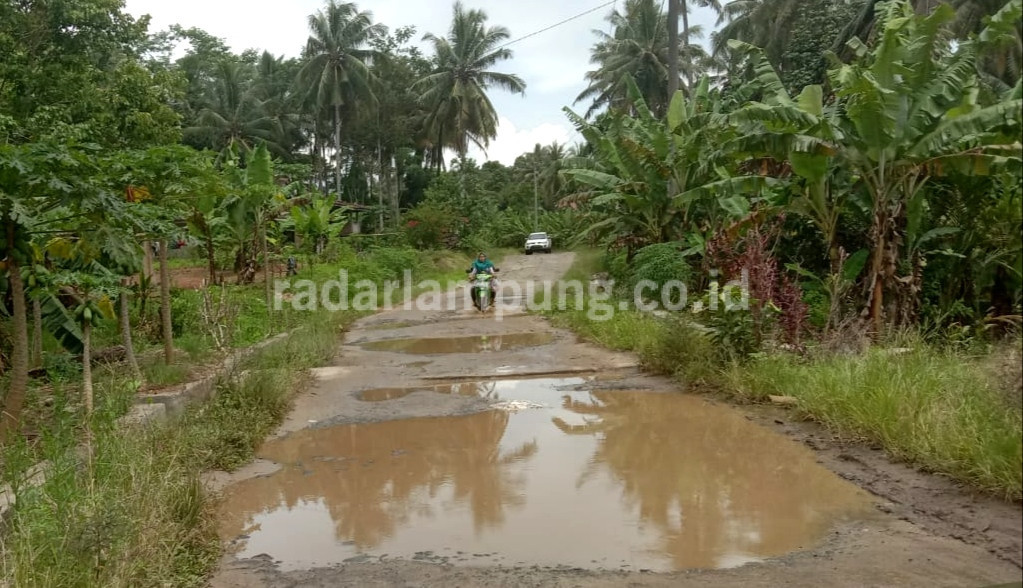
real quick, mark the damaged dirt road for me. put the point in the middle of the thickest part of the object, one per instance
(443, 448)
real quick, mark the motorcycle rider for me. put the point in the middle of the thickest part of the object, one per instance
(482, 265)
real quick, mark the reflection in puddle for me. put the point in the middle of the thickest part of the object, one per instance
(473, 344)
(603, 479)
(481, 389)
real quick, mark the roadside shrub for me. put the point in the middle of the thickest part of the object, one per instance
(429, 226)
(61, 366)
(941, 410)
(819, 306)
(660, 263)
(616, 266)
(393, 261)
(185, 306)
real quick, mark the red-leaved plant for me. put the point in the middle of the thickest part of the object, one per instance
(731, 251)
(794, 311)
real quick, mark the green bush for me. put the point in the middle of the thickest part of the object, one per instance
(660, 263)
(393, 261)
(185, 305)
(616, 265)
(61, 366)
(429, 226)
(819, 305)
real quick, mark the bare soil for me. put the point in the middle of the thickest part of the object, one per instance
(928, 530)
(192, 278)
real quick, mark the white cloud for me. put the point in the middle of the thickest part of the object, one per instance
(512, 142)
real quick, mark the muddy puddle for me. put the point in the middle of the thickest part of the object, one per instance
(482, 389)
(473, 344)
(595, 479)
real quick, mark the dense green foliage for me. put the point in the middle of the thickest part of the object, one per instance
(858, 161)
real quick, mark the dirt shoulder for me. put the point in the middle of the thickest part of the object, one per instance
(927, 532)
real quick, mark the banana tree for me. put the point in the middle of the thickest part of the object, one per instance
(317, 220)
(251, 206)
(800, 132)
(909, 113)
(906, 111)
(636, 159)
(206, 211)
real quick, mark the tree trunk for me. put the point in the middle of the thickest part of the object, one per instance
(381, 182)
(268, 289)
(673, 47)
(165, 302)
(315, 156)
(337, 149)
(461, 174)
(124, 318)
(147, 259)
(10, 420)
(685, 40)
(87, 381)
(211, 258)
(37, 333)
(397, 192)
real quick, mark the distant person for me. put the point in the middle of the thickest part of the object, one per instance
(482, 265)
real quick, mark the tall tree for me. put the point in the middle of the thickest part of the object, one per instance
(336, 72)
(638, 48)
(273, 89)
(794, 34)
(232, 118)
(688, 33)
(455, 93)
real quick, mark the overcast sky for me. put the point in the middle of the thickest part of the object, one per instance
(552, 63)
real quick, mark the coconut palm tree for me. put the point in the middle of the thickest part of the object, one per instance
(638, 49)
(337, 72)
(272, 87)
(232, 116)
(689, 52)
(794, 34)
(455, 92)
(764, 23)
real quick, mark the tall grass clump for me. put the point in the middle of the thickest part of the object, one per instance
(133, 515)
(939, 410)
(138, 515)
(952, 409)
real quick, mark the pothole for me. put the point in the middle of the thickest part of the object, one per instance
(469, 344)
(593, 479)
(463, 388)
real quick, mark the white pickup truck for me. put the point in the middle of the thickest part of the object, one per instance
(538, 242)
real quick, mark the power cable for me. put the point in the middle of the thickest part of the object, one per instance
(558, 24)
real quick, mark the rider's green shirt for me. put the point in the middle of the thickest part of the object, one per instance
(482, 266)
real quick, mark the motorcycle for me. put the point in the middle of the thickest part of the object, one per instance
(481, 292)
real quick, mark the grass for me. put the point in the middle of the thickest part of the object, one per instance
(943, 410)
(936, 409)
(137, 515)
(159, 374)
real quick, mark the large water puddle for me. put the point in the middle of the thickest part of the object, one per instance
(596, 479)
(471, 344)
(482, 389)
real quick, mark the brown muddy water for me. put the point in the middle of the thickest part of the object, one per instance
(473, 344)
(594, 479)
(482, 389)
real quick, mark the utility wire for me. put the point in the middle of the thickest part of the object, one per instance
(557, 24)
